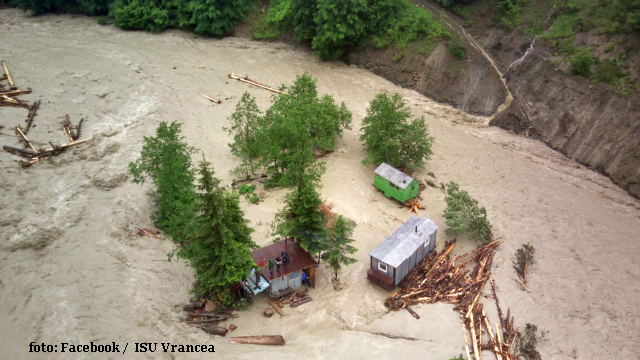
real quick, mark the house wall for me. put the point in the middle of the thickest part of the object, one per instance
(374, 266)
(293, 280)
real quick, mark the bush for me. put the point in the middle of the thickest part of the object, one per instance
(246, 189)
(523, 258)
(463, 215)
(456, 49)
(581, 63)
(139, 15)
(528, 342)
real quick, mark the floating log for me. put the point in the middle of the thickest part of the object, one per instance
(277, 340)
(32, 113)
(274, 304)
(15, 92)
(396, 336)
(413, 313)
(19, 131)
(8, 74)
(215, 330)
(251, 82)
(268, 312)
(20, 152)
(211, 99)
(300, 302)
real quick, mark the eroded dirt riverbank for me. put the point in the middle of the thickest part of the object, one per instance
(70, 271)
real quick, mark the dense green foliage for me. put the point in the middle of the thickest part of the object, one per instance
(220, 250)
(208, 224)
(244, 125)
(298, 122)
(301, 218)
(463, 215)
(338, 245)
(207, 17)
(389, 137)
(581, 64)
(166, 160)
(333, 26)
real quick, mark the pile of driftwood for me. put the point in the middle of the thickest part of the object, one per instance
(294, 299)
(451, 279)
(8, 97)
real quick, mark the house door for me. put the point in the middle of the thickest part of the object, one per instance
(312, 276)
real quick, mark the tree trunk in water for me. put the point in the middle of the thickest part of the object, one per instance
(259, 340)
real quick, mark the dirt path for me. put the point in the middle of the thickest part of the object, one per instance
(70, 271)
(444, 16)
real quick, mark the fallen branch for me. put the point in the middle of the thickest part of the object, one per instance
(211, 99)
(251, 82)
(32, 113)
(8, 75)
(397, 337)
(24, 137)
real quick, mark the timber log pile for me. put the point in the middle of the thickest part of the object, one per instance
(451, 279)
(8, 97)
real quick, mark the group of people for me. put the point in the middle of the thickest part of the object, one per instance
(282, 260)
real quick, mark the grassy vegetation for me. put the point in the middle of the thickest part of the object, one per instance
(381, 23)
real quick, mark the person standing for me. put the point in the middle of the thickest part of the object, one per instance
(271, 266)
(286, 260)
(278, 263)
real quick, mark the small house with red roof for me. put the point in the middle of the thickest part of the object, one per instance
(287, 279)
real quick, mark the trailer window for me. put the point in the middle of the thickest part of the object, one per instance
(426, 243)
(382, 267)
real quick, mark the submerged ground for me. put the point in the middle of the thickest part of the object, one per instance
(70, 271)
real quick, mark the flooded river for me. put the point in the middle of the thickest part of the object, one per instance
(70, 271)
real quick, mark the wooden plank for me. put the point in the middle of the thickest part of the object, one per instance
(274, 304)
(9, 78)
(32, 113)
(211, 99)
(413, 313)
(255, 83)
(19, 130)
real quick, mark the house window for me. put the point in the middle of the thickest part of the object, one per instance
(382, 267)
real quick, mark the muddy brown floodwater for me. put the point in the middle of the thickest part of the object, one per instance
(71, 272)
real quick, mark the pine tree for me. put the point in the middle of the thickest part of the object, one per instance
(244, 126)
(463, 215)
(166, 160)
(220, 252)
(301, 218)
(390, 138)
(338, 244)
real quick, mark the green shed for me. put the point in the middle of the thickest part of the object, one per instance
(395, 184)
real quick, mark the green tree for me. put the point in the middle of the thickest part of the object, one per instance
(463, 215)
(339, 244)
(298, 122)
(301, 218)
(166, 160)
(304, 27)
(139, 15)
(244, 127)
(340, 24)
(389, 137)
(216, 17)
(220, 251)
